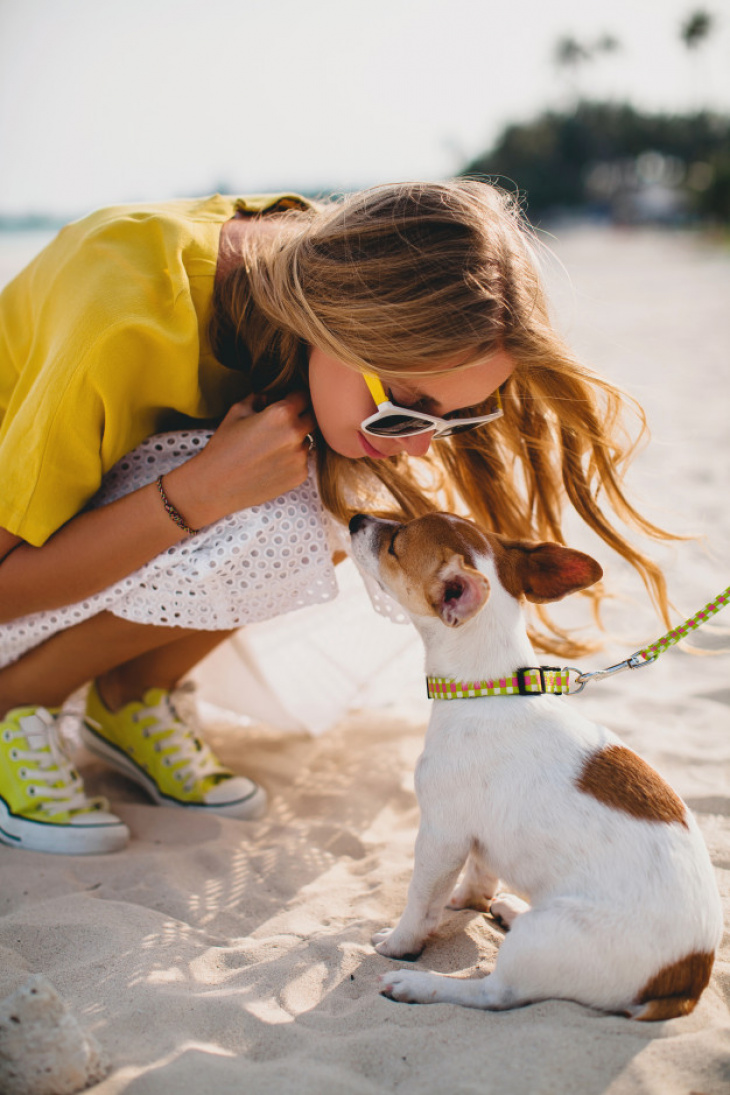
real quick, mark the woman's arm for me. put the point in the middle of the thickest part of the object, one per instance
(250, 459)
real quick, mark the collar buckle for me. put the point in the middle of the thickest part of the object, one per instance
(543, 686)
(522, 682)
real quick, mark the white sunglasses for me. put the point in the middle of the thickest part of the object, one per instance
(390, 420)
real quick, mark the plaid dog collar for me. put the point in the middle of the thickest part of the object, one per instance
(532, 681)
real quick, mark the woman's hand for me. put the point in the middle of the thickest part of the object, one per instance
(251, 458)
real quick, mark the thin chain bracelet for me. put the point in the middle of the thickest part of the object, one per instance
(173, 513)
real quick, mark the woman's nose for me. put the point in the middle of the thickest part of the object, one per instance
(418, 444)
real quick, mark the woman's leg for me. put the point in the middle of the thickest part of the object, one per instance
(104, 646)
(131, 722)
(161, 667)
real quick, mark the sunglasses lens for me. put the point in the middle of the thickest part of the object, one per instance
(398, 425)
(461, 429)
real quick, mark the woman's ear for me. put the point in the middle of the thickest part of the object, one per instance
(457, 592)
(549, 572)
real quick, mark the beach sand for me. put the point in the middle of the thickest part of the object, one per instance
(235, 957)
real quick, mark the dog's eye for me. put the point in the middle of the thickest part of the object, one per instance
(391, 545)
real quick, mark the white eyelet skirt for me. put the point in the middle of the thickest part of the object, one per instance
(250, 566)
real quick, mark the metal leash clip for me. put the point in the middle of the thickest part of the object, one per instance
(649, 654)
(636, 661)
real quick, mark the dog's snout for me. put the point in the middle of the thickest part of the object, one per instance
(357, 522)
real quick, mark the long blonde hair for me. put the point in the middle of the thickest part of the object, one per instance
(399, 280)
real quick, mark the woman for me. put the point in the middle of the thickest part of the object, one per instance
(290, 325)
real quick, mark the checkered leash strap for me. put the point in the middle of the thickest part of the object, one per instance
(650, 653)
(699, 618)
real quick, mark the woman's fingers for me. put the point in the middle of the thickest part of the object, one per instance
(253, 456)
(243, 409)
(252, 404)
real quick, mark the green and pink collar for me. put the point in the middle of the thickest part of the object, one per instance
(531, 681)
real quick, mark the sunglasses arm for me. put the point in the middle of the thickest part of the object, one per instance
(376, 389)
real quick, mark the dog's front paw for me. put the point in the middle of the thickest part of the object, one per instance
(387, 942)
(409, 986)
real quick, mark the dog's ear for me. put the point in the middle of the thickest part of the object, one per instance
(457, 591)
(549, 572)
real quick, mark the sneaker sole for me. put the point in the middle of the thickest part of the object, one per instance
(45, 836)
(249, 807)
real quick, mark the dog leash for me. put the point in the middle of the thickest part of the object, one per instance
(543, 679)
(649, 654)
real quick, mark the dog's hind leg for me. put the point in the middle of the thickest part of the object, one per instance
(478, 885)
(566, 950)
(546, 955)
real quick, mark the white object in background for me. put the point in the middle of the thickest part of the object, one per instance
(305, 670)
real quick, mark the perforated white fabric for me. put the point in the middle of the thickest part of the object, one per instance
(250, 566)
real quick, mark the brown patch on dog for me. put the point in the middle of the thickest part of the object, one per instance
(413, 557)
(542, 572)
(675, 990)
(538, 571)
(622, 780)
(440, 535)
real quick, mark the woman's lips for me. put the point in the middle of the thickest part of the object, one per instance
(369, 449)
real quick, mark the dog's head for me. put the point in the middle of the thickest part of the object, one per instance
(438, 565)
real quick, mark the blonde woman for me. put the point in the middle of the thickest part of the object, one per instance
(189, 390)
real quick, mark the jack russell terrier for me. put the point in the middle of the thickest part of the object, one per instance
(624, 913)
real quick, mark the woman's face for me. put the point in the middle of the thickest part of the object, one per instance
(341, 400)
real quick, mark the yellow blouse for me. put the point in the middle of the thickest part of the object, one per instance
(103, 342)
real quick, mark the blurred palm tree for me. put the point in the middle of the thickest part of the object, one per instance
(694, 33)
(572, 56)
(697, 28)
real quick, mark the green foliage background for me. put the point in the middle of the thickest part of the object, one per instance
(548, 160)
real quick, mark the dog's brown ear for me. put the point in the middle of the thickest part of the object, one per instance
(458, 592)
(549, 572)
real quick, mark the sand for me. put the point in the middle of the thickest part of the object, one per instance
(235, 957)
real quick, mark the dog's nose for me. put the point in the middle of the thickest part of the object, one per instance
(357, 521)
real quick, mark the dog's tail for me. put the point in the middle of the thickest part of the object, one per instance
(675, 990)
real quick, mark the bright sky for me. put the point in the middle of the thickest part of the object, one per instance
(146, 99)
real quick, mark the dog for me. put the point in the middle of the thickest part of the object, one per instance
(624, 914)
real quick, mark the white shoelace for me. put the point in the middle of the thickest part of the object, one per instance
(176, 725)
(48, 763)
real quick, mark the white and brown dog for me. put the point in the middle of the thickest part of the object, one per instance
(624, 911)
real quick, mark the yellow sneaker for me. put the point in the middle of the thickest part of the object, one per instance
(148, 741)
(42, 803)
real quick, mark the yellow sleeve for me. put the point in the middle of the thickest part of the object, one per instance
(103, 341)
(73, 426)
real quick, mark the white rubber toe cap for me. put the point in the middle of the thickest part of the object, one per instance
(238, 797)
